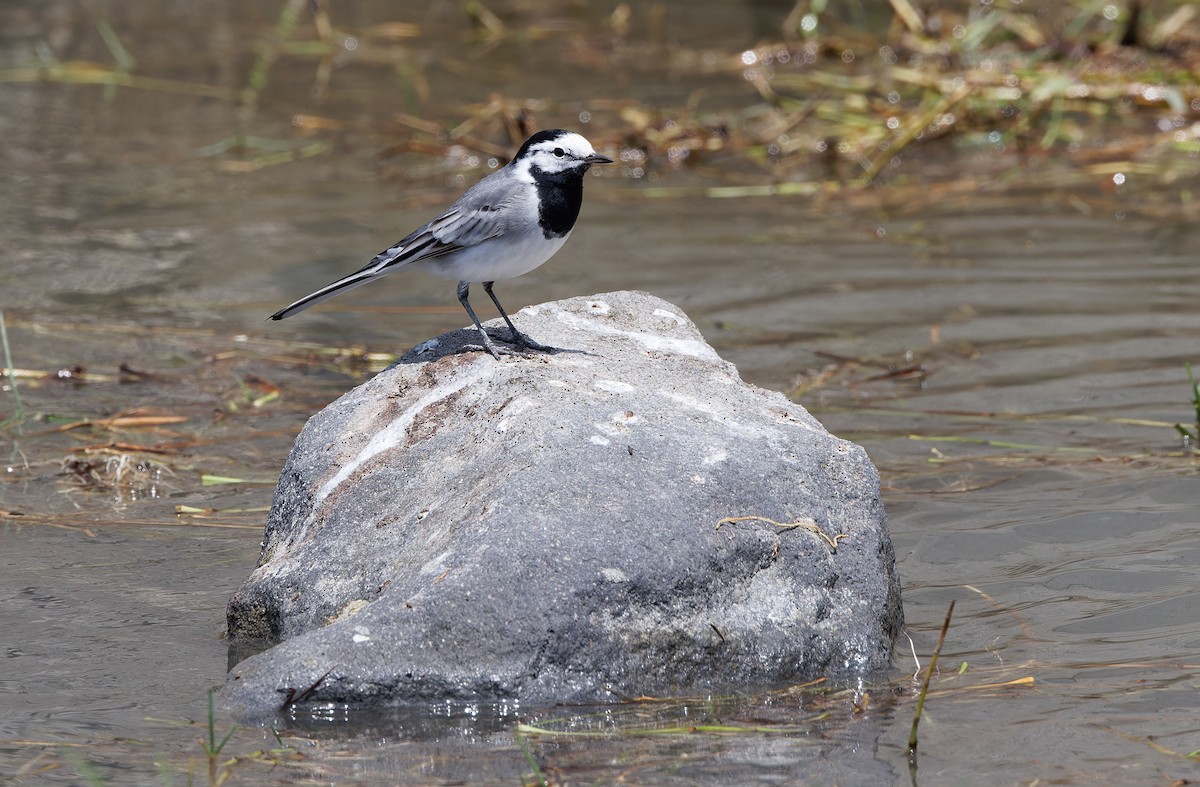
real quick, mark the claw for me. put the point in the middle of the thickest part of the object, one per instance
(521, 340)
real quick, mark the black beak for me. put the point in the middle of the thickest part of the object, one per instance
(596, 158)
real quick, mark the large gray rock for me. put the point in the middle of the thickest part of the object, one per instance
(546, 528)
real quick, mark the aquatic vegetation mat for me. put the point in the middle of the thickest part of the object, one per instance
(997, 96)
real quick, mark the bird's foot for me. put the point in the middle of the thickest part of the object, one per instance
(521, 340)
(490, 349)
(516, 338)
(494, 351)
(488, 346)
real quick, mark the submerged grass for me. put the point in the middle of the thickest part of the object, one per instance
(218, 773)
(817, 714)
(230, 769)
(220, 414)
(1100, 437)
(1191, 437)
(18, 414)
(920, 706)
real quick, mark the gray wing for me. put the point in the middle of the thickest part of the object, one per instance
(477, 216)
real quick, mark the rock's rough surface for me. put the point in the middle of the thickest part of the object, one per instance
(546, 529)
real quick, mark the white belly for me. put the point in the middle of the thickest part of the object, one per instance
(505, 257)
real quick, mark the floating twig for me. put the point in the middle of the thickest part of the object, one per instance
(803, 524)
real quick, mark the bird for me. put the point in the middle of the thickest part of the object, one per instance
(507, 224)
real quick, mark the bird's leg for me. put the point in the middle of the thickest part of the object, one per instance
(518, 338)
(463, 289)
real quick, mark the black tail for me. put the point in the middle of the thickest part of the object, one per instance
(418, 245)
(328, 291)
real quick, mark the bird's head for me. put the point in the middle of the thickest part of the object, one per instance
(556, 151)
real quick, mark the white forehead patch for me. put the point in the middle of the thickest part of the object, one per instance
(574, 148)
(571, 143)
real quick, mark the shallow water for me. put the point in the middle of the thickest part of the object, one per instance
(1012, 362)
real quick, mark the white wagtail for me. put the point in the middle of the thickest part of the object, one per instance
(505, 225)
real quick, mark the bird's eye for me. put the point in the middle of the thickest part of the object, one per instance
(559, 152)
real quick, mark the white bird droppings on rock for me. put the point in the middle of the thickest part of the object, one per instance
(670, 316)
(614, 386)
(614, 574)
(651, 341)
